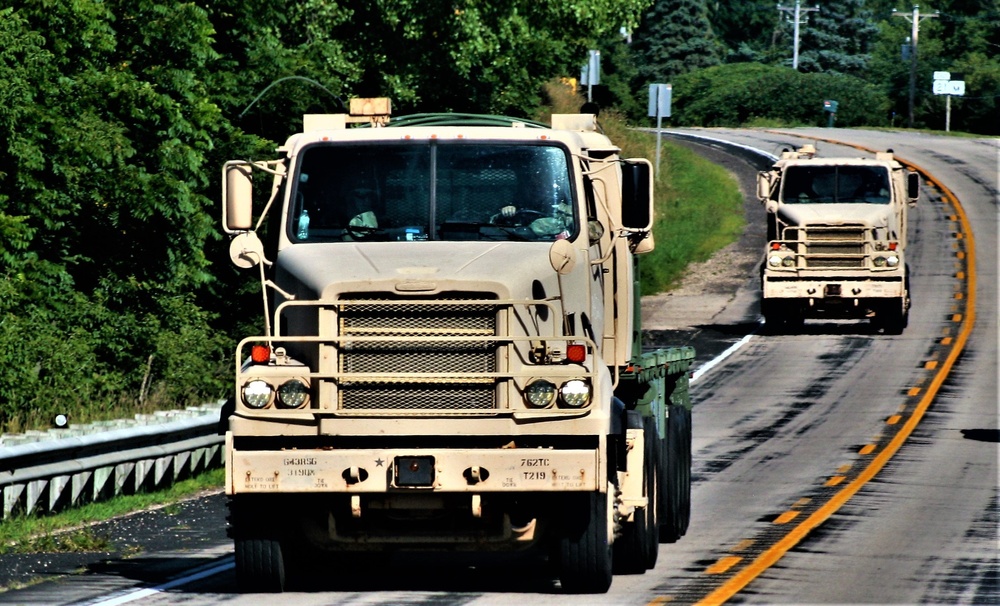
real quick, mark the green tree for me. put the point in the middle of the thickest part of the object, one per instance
(838, 38)
(748, 30)
(674, 37)
(103, 195)
(115, 116)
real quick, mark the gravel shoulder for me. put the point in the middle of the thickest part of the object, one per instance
(717, 301)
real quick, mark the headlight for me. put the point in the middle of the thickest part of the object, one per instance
(774, 260)
(540, 393)
(788, 262)
(879, 261)
(892, 261)
(293, 393)
(575, 393)
(256, 394)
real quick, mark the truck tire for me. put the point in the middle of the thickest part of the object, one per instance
(781, 317)
(260, 566)
(654, 473)
(894, 316)
(262, 556)
(685, 488)
(636, 550)
(676, 496)
(585, 547)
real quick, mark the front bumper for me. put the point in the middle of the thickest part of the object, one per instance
(458, 470)
(831, 287)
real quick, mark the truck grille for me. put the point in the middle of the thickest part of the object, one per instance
(387, 321)
(833, 247)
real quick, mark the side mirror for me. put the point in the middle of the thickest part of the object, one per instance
(912, 186)
(637, 194)
(246, 250)
(237, 196)
(764, 184)
(562, 256)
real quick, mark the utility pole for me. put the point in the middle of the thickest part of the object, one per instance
(798, 18)
(915, 21)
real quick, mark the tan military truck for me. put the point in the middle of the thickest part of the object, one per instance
(451, 360)
(836, 239)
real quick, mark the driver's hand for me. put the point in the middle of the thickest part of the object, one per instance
(508, 211)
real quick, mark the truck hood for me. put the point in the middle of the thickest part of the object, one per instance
(871, 215)
(505, 268)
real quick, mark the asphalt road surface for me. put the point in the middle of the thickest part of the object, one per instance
(836, 465)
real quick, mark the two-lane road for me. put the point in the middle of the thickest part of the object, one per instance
(838, 465)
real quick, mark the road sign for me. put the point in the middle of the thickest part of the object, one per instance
(659, 100)
(942, 75)
(954, 88)
(590, 74)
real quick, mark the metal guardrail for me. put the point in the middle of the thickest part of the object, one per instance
(42, 472)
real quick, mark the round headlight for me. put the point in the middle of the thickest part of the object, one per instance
(892, 261)
(256, 394)
(540, 393)
(575, 393)
(879, 261)
(293, 394)
(788, 261)
(774, 261)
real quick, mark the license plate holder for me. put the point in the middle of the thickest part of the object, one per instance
(414, 472)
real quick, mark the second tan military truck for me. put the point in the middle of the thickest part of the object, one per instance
(836, 239)
(451, 360)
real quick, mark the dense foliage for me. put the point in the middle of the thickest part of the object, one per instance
(115, 117)
(754, 94)
(116, 291)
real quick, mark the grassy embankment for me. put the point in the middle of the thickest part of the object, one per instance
(699, 210)
(698, 206)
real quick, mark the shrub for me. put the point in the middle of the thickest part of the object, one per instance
(751, 93)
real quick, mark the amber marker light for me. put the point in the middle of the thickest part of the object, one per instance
(576, 353)
(260, 354)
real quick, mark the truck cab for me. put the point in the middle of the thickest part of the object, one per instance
(836, 239)
(449, 357)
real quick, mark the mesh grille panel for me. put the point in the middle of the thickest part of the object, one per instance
(423, 360)
(379, 318)
(387, 320)
(418, 397)
(839, 248)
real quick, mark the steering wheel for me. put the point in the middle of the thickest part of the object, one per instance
(520, 218)
(360, 232)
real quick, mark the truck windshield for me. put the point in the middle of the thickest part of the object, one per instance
(836, 184)
(432, 190)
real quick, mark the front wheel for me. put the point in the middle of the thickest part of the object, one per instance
(638, 547)
(585, 558)
(260, 565)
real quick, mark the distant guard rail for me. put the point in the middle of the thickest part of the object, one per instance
(43, 472)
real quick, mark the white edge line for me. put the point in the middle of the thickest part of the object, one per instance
(719, 358)
(750, 148)
(138, 594)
